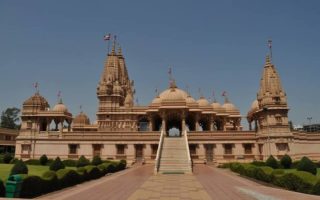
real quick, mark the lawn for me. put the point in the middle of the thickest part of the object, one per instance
(33, 170)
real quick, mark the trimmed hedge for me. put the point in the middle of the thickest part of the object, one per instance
(70, 163)
(272, 162)
(96, 160)
(33, 186)
(299, 181)
(56, 165)
(32, 162)
(43, 159)
(286, 161)
(83, 161)
(307, 165)
(19, 168)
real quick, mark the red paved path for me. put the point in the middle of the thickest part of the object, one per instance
(220, 184)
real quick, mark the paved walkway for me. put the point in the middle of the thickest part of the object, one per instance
(206, 183)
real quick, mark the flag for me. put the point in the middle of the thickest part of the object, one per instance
(107, 37)
(59, 94)
(224, 93)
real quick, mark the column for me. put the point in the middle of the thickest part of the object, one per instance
(183, 121)
(211, 123)
(150, 123)
(197, 122)
(163, 125)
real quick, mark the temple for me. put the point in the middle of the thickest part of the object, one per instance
(174, 131)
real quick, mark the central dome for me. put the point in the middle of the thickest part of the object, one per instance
(173, 94)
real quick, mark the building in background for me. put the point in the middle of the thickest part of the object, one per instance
(8, 140)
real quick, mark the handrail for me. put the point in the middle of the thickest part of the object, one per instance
(157, 163)
(187, 146)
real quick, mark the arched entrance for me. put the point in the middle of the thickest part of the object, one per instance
(174, 125)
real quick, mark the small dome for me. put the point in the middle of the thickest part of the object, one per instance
(190, 100)
(60, 107)
(81, 119)
(255, 105)
(203, 102)
(128, 100)
(173, 94)
(156, 100)
(230, 107)
(37, 101)
(216, 105)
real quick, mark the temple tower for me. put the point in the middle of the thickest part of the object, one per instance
(270, 111)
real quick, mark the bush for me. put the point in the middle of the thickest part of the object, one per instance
(7, 158)
(2, 189)
(83, 174)
(50, 181)
(297, 181)
(32, 162)
(32, 186)
(50, 161)
(93, 172)
(272, 162)
(258, 163)
(56, 165)
(286, 161)
(83, 161)
(316, 188)
(103, 168)
(96, 160)
(68, 177)
(70, 163)
(43, 159)
(307, 165)
(264, 174)
(122, 164)
(14, 161)
(295, 164)
(19, 168)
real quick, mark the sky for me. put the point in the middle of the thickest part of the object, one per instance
(212, 45)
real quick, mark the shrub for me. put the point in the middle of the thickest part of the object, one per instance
(2, 189)
(70, 163)
(122, 164)
(50, 181)
(258, 163)
(307, 165)
(103, 168)
(50, 161)
(19, 168)
(295, 164)
(14, 161)
(286, 161)
(96, 160)
(272, 162)
(276, 174)
(316, 188)
(56, 165)
(83, 174)
(264, 174)
(7, 158)
(43, 159)
(68, 177)
(250, 171)
(83, 161)
(296, 181)
(32, 162)
(93, 172)
(32, 186)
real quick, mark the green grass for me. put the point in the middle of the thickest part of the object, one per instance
(37, 170)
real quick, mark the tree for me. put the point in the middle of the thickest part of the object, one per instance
(307, 165)
(272, 162)
(83, 161)
(43, 159)
(56, 165)
(286, 161)
(9, 118)
(96, 160)
(19, 168)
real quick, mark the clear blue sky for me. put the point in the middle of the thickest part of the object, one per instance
(210, 45)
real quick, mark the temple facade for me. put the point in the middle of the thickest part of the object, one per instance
(174, 124)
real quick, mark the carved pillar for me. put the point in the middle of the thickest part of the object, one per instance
(48, 124)
(150, 123)
(211, 123)
(197, 121)
(250, 126)
(183, 121)
(163, 125)
(224, 121)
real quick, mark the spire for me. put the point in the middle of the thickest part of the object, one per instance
(268, 62)
(119, 51)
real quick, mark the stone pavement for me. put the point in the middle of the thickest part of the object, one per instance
(205, 183)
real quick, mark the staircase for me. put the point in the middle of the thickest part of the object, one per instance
(175, 156)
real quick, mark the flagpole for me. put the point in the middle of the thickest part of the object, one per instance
(270, 48)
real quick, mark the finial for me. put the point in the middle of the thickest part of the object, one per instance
(113, 51)
(173, 84)
(224, 94)
(36, 87)
(200, 93)
(59, 97)
(268, 60)
(80, 109)
(119, 50)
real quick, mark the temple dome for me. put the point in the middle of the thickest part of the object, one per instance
(190, 100)
(60, 107)
(203, 102)
(81, 119)
(156, 100)
(230, 107)
(37, 100)
(216, 105)
(173, 94)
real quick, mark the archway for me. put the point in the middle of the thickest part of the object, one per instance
(173, 125)
(204, 123)
(191, 122)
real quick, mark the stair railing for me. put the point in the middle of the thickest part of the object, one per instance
(157, 161)
(187, 147)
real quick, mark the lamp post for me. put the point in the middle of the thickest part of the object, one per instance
(265, 108)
